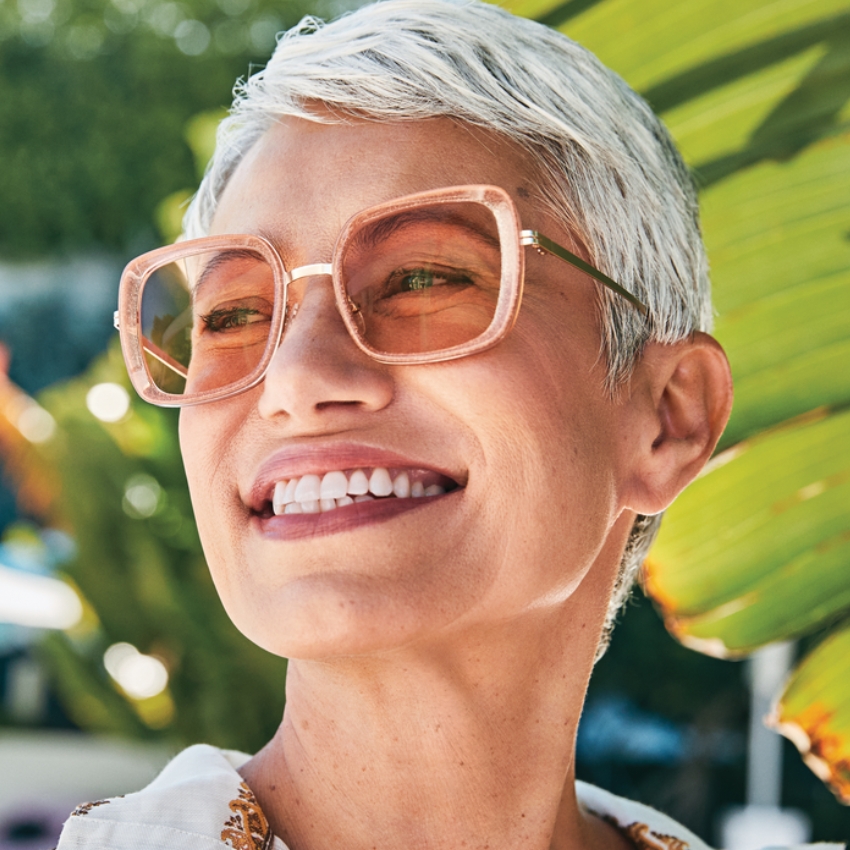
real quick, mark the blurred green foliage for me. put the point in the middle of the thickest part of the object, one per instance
(95, 96)
(140, 568)
(107, 115)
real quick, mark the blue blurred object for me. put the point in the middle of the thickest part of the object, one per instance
(614, 729)
(35, 551)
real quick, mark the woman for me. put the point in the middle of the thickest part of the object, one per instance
(427, 448)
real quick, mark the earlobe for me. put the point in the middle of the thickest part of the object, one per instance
(685, 397)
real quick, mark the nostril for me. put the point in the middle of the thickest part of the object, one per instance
(323, 405)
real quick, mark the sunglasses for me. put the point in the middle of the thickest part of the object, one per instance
(425, 278)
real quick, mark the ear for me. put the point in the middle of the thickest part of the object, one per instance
(681, 397)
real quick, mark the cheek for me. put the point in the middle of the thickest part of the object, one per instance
(540, 402)
(559, 455)
(204, 436)
(545, 490)
(198, 438)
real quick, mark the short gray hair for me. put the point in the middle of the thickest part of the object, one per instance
(609, 169)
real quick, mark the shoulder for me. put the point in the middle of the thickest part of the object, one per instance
(199, 800)
(649, 829)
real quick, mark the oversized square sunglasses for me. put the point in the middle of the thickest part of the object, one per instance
(422, 279)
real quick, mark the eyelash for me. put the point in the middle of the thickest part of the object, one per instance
(228, 315)
(454, 276)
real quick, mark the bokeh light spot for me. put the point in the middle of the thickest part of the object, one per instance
(142, 495)
(36, 424)
(192, 37)
(108, 402)
(37, 601)
(140, 676)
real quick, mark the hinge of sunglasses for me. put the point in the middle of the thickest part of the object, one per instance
(115, 321)
(543, 245)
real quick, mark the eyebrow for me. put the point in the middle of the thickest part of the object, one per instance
(371, 235)
(221, 259)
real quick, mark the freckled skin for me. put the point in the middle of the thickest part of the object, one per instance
(447, 648)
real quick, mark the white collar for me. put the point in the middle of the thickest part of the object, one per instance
(200, 801)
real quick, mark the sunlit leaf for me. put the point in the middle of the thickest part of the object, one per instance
(814, 711)
(650, 42)
(778, 241)
(757, 93)
(755, 550)
(722, 120)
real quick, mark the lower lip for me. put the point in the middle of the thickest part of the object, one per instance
(348, 518)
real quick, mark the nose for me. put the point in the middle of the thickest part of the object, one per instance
(318, 377)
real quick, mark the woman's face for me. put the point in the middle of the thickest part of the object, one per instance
(523, 435)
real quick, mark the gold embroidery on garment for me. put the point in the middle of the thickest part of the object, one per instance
(85, 808)
(645, 838)
(247, 828)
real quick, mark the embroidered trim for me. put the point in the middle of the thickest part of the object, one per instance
(643, 837)
(85, 808)
(247, 828)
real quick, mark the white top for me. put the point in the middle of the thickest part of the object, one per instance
(200, 801)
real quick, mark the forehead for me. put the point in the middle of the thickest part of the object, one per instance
(303, 177)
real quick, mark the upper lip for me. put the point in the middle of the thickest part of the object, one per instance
(297, 460)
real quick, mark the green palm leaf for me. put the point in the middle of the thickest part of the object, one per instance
(814, 715)
(757, 94)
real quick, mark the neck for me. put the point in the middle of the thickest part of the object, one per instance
(478, 728)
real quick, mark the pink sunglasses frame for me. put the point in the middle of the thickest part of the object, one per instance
(512, 240)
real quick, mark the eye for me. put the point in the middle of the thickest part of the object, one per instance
(417, 279)
(231, 319)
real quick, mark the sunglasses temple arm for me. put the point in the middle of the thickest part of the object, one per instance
(539, 241)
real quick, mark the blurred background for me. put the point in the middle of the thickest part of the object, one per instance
(114, 650)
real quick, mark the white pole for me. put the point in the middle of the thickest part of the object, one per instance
(763, 821)
(769, 668)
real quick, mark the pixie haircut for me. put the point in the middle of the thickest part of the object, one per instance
(607, 168)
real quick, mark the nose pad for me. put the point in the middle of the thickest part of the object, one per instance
(289, 313)
(357, 315)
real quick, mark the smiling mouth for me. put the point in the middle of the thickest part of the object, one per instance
(335, 489)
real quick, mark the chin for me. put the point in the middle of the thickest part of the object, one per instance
(326, 617)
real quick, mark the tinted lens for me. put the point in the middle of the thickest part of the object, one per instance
(206, 320)
(423, 279)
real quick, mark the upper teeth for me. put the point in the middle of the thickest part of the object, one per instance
(310, 494)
